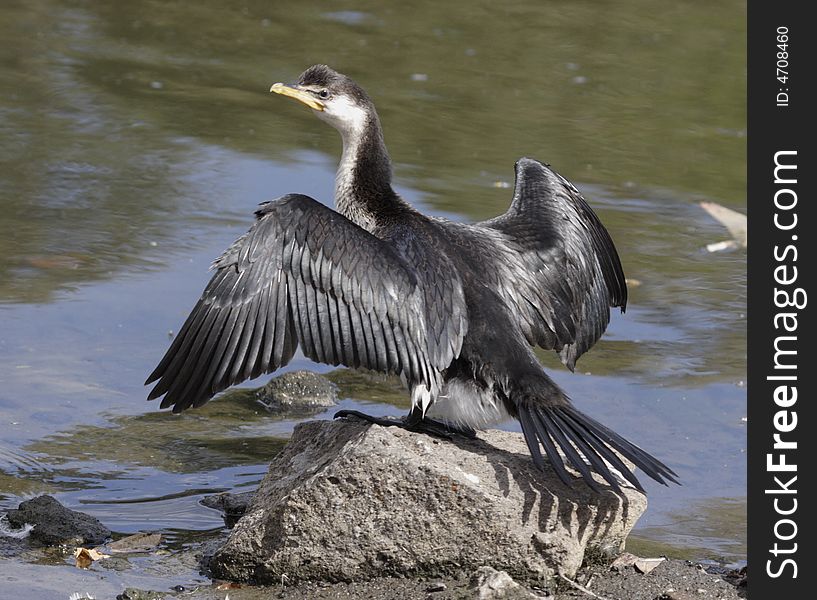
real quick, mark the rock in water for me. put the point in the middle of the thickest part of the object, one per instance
(296, 391)
(55, 525)
(349, 501)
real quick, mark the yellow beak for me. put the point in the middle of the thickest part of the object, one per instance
(299, 94)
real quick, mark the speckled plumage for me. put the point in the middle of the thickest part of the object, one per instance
(453, 308)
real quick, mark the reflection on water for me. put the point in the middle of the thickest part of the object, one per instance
(138, 137)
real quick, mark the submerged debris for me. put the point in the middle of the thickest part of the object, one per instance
(138, 542)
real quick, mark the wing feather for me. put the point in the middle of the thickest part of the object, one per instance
(303, 274)
(567, 271)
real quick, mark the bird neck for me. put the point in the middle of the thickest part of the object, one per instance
(363, 191)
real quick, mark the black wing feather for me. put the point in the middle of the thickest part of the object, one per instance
(573, 274)
(303, 273)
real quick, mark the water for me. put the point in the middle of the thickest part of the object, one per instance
(138, 138)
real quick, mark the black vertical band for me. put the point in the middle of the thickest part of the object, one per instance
(782, 300)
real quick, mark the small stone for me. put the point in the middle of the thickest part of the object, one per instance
(672, 594)
(233, 505)
(298, 391)
(624, 560)
(489, 584)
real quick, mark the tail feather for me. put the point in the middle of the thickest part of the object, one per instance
(528, 431)
(588, 446)
(533, 432)
(550, 427)
(605, 452)
(593, 455)
(644, 461)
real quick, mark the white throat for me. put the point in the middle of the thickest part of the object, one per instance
(350, 120)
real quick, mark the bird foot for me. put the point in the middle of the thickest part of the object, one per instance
(427, 426)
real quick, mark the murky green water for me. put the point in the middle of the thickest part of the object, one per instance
(138, 137)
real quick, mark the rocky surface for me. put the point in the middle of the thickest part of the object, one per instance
(670, 580)
(56, 525)
(298, 391)
(348, 501)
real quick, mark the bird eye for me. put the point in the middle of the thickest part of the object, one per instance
(324, 94)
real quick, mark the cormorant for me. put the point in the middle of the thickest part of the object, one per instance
(452, 308)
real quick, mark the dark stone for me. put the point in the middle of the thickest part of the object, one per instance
(56, 525)
(232, 505)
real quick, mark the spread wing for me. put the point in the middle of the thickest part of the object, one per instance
(303, 274)
(571, 272)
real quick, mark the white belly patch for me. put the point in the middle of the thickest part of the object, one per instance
(462, 403)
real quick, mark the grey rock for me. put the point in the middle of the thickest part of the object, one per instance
(489, 584)
(298, 391)
(56, 525)
(349, 501)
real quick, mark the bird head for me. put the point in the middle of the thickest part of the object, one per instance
(333, 97)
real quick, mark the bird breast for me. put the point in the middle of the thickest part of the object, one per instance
(461, 402)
